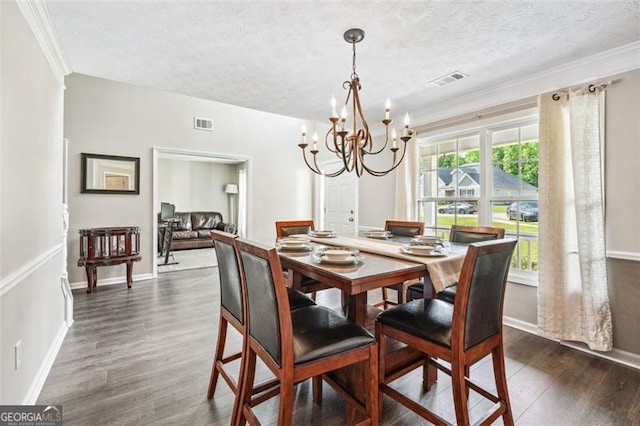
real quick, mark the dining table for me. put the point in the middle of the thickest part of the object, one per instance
(378, 263)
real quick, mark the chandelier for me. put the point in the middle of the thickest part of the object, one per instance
(352, 146)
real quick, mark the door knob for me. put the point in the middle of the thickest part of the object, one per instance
(350, 219)
(351, 211)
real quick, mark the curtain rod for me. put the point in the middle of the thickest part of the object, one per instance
(591, 88)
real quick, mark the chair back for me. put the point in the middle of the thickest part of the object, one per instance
(229, 272)
(268, 315)
(474, 234)
(292, 227)
(404, 228)
(479, 299)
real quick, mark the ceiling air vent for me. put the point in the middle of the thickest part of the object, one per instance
(449, 78)
(202, 123)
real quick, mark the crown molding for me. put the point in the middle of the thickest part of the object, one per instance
(581, 71)
(37, 17)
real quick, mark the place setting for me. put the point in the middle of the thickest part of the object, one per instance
(429, 246)
(379, 234)
(294, 244)
(337, 255)
(323, 234)
(433, 240)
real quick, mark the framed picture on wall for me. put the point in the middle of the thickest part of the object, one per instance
(110, 174)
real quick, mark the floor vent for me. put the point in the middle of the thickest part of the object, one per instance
(449, 78)
(202, 123)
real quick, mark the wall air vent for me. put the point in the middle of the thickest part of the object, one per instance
(449, 78)
(202, 123)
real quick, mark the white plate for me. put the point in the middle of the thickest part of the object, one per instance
(305, 247)
(323, 259)
(429, 240)
(407, 250)
(323, 234)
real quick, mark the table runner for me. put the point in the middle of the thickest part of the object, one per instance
(443, 271)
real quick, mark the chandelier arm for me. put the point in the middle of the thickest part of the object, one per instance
(304, 155)
(368, 145)
(395, 164)
(347, 155)
(326, 141)
(331, 174)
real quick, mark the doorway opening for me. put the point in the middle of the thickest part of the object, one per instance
(196, 182)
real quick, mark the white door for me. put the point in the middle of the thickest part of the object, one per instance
(340, 202)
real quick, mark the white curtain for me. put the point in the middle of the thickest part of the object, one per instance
(573, 301)
(406, 185)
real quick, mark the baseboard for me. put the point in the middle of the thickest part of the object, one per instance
(112, 281)
(36, 386)
(520, 325)
(618, 356)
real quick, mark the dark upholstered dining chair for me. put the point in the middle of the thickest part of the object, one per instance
(461, 234)
(232, 309)
(460, 334)
(405, 229)
(295, 344)
(286, 228)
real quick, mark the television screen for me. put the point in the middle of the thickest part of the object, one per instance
(167, 211)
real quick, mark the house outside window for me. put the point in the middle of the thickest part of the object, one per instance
(485, 177)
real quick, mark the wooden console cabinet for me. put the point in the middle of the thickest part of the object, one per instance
(106, 247)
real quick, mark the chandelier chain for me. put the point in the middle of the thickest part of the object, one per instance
(354, 74)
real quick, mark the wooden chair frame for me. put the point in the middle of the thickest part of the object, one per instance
(281, 224)
(498, 232)
(459, 357)
(289, 374)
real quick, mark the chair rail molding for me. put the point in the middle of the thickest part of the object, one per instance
(623, 255)
(27, 269)
(37, 16)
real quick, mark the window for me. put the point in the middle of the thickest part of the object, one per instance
(485, 177)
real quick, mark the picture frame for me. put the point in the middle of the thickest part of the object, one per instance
(109, 174)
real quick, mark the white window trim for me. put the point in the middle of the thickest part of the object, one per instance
(483, 127)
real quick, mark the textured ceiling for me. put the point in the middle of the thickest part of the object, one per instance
(289, 57)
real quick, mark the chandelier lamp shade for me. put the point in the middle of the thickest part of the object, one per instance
(353, 145)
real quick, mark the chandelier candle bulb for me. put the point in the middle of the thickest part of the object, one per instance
(387, 107)
(315, 141)
(406, 124)
(394, 136)
(334, 113)
(304, 134)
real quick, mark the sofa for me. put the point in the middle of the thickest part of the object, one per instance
(193, 229)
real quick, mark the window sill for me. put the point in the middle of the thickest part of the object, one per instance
(523, 278)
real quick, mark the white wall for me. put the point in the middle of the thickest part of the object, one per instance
(31, 300)
(107, 117)
(195, 185)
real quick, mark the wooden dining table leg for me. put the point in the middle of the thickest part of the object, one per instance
(357, 307)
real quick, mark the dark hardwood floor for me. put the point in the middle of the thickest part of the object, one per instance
(143, 356)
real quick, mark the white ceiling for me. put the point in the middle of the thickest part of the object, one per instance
(289, 57)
